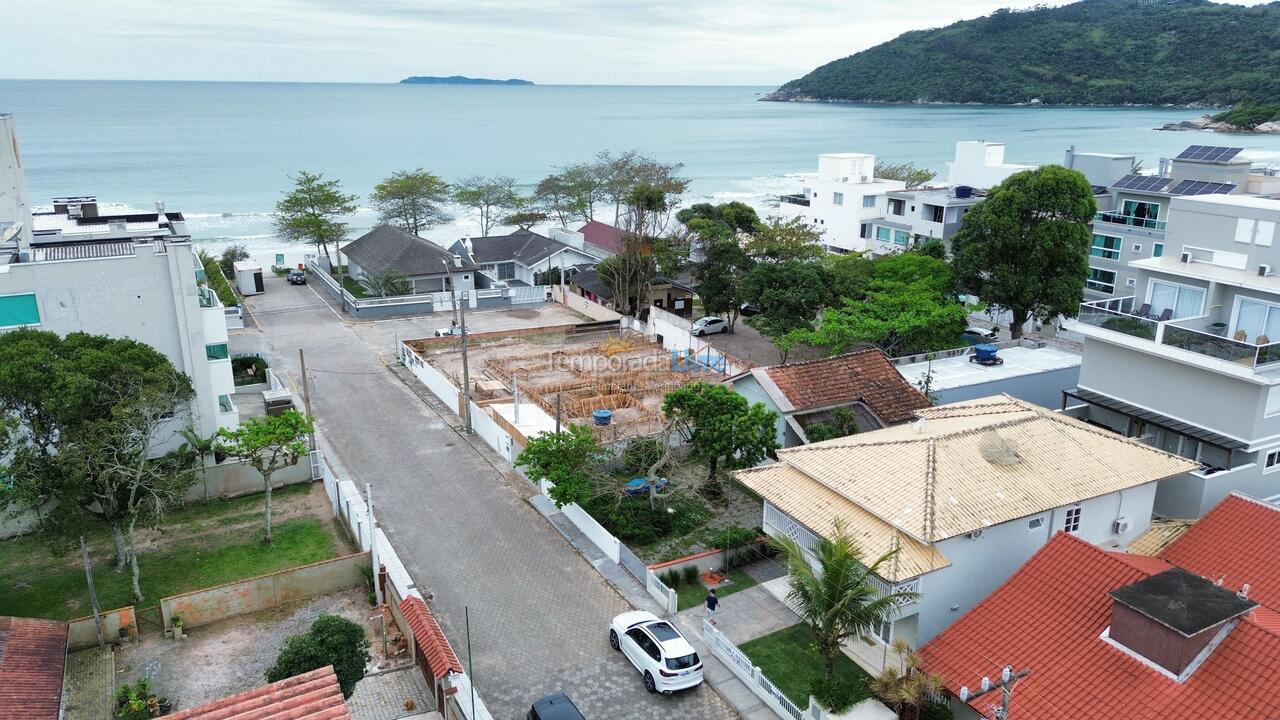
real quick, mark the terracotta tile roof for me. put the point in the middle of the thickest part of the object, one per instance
(984, 462)
(1237, 541)
(603, 236)
(313, 695)
(33, 657)
(430, 638)
(867, 377)
(1049, 616)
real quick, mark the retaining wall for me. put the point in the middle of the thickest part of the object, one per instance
(712, 559)
(234, 478)
(82, 633)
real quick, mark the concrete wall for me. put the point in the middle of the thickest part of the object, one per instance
(265, 591)
(82, 632)
(1043, 389)
(593, 310)
(708, 560)
(1191, 495)
(233, 479)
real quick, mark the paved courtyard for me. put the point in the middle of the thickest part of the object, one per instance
(458, 517)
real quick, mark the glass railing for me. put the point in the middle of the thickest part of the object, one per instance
(207, 297)
(1113, 314)
(1129, 220)
(1214, 346)
(794, 200)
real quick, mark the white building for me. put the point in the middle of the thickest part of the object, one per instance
(1027, 370)
(134, 276)
(966, 494)
(842, 200)
(981, 164)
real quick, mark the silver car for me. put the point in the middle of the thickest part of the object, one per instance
(709, 326)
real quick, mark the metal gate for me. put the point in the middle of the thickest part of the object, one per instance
(633, 564)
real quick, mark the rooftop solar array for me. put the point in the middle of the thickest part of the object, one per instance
(1143, 183)
(1196, 187)
(1210, 153)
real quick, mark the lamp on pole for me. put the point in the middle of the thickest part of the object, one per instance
(342, 285)
(460, 308)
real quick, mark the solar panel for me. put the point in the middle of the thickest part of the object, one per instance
(1198, 187)
(1142, 183)
(1210, 153)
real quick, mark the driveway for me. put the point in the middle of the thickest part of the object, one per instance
(746, 343)
(459, 520)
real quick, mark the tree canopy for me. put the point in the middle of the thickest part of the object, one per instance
(310, 212)
(492, 198)
(1026, 247)
(789, 295)
(412, 200)
(268, 444)
(721, 426)
(719, 277)
(331, 640)
(907, 172)
(568, 460)
(781, 239)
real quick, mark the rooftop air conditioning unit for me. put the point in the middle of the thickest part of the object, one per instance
(1186, 257)
(1264, 270)
(1121, 526)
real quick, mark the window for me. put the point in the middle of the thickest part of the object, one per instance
(19, 310)
(935, 212)
(1101, 280)
(868, 201)
(1137, 247)
(1183, 300)
(217, 351)
(897, 207)
(1257, 320)
(1072, 522)
(900, 238)
(1273, 461)
(1139, 210)
(882, 233)
(837, 198)
(1035, 524)
(225, 405)
(682, 663)
(506, 271)
(864, 230)
(1157, 249)
(1105, 247)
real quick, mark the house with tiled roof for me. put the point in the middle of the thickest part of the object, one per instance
(427, 266)
(33, 657)
(605, 238)
(675, 295)
(866, 383)
(519, 257)
(965, 494)
(314, 695)
(1192, 633)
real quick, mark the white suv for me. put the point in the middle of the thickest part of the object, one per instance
(663, 656)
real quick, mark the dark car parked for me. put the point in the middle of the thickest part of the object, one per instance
(297, 277)
(556, 706)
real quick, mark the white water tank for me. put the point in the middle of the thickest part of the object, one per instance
(248, 277)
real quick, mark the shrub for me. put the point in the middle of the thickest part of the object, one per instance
(1131, 326)
(232, 255)
(690, 574)
(640, 454)
(670, 578)
(249, 369)
(733, 536)
(936, 711)
(836, 694)
(331, 640)
(632, 521)
(215, 279)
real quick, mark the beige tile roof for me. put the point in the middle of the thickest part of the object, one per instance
(1159, 536)
(977, 463)
(817, 508)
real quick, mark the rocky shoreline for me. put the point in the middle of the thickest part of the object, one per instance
(1206, 122)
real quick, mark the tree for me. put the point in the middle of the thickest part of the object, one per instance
(310, 211)
(568, 459)
(203, 448)
(713, 223)
(412, 200)
(569, 194)
(721, 426)
(720, 276)
(630, 273)
(1026, 247)
(843, 423)
(789, 295)
(907, 172)
(268, 444)
(231, 255)
(780, 239)
(526, 218)
(491, 197)
(388, 283)
(618, 175)
(907, 688)
(840, 600)
(331, 640)
(850, 274)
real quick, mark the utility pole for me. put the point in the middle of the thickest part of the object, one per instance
(93, 594)
(471, 671)
(373, 549)
(306, 396)
(460, 308)
(1008, 679)
(342, 286)
(557, 413)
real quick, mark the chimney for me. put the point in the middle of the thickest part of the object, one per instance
(1174, 620)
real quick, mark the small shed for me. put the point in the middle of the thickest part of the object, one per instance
(248, 277)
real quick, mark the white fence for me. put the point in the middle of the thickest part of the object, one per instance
(435, 381)
(676, 336)
(534, 294)
(739, 664)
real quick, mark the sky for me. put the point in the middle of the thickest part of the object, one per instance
(658, 42)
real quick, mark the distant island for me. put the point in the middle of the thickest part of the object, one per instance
(1190, 53)
(459, 80)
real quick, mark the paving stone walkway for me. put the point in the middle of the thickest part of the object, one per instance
(88, 684)
(384, 696)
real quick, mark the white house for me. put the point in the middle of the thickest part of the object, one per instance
(967, 494)
(981, 164)
(841, 200)
(516, 259)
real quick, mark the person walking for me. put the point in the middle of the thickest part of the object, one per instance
(712, 602)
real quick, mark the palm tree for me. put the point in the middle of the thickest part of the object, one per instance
(203, 448)
(906, 688)
(841, 600)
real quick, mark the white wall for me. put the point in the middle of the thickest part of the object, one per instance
(981, 164)
(435, 381)
(14, 205)
(748, 387)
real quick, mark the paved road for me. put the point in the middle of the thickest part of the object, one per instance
(539, 612)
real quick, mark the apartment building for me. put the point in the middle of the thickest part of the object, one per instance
(1189, 358)
(920, 215)
(842, 200)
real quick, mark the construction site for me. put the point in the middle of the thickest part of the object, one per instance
(571, 377)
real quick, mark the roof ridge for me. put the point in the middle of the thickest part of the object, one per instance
(1270, 506)
(829, 359)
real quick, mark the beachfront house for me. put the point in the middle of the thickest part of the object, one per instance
(522, 258)
(866, 383)
(426, 266)
(1189, 361)
(966, 494)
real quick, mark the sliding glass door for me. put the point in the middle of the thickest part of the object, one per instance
(1181, 300)
(1257, 320)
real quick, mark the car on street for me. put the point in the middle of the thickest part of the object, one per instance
(709, 326)
(297, 277)
(447, 331)
(977, 334)
(556, 706)
(665, 659)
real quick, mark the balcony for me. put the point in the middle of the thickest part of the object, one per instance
(796, 199)
(1129, 221)
(208, 298)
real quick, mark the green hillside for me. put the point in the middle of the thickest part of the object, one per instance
(1095, 52)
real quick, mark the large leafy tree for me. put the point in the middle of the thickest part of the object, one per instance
(712, 223)
(645, 253)
(850, 274)
(618, 175)
(781, 239)
(789, 295)
(412, 200)
(310, 212)
(570, 194)
(1026, 247)
(907, 172)
(721, 426)
(492, 198)
(569, 460)
(331, 640)
(720, 276)
(268, 444)
(840, 599)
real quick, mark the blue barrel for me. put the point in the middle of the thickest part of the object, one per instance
(602, 417)
(986, 352)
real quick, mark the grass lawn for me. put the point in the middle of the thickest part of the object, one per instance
(692, 595)
(355, 288)
(790, 661)
(36, 582)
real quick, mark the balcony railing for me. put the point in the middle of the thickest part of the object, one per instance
(1129, 220)
(1116, 315)
(208, 298)
(794, 200)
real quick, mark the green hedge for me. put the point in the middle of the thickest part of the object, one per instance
(216, 280)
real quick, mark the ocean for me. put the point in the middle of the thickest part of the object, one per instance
(221, 152)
